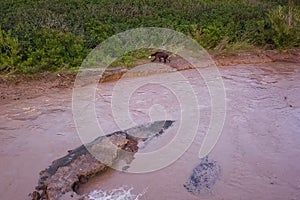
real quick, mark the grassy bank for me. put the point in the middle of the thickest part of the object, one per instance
(51, 35)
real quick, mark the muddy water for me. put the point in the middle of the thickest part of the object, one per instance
(258, 152)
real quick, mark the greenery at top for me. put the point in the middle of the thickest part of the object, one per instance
(50, 35)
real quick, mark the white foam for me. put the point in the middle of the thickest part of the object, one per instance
(115, 194)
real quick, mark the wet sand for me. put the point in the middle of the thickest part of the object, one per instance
(258, 151)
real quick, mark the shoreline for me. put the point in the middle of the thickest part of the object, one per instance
(20, 87)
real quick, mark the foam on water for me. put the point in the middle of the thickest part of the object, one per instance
(116, 194)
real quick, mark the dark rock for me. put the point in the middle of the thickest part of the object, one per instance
(203, 177)
(36, 195)
(64, 176)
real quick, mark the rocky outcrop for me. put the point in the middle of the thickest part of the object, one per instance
(112, 74)
(63, 177)
(290, 55)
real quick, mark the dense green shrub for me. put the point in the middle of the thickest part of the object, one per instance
(285, 24)
(9, 52)
(39, 35)
(52, 50)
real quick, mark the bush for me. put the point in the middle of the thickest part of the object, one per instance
(50, 35)
(9, 52)
(285, 24)
(53, 50)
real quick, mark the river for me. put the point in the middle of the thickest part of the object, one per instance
(257, 154)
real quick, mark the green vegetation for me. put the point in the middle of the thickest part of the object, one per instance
(50, 35)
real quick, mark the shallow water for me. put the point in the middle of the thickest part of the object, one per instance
(258, 151)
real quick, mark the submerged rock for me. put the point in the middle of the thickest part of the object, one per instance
(203, 177)
(63, 177)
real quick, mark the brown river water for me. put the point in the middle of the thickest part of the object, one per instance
(257, 154)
